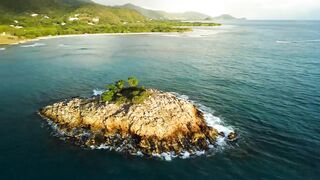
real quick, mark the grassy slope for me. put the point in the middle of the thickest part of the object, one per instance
(111, 19)
(63, 9)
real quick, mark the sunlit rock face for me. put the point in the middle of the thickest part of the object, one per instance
(162, 123)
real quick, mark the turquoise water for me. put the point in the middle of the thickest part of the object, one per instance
(260, 77)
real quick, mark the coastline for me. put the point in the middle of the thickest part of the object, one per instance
(23, 41)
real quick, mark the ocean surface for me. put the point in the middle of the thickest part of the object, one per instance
(260, 78)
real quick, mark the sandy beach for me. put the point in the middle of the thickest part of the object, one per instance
(7, 39)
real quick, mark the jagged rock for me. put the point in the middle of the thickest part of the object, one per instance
(232, 136)
(162, 123)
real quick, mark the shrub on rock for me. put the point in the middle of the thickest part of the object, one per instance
(133, 81)
(120, 93)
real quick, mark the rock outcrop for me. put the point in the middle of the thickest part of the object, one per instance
(162, 123)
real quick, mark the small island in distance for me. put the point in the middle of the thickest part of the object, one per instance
(135, 120)
(225, 17)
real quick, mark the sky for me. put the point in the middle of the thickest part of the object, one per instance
(251, 9)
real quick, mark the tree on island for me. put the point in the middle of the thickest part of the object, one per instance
(120, 84)
(133, 81)
(125, 92)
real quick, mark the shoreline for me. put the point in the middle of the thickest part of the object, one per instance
(77, 35)
(18, 41)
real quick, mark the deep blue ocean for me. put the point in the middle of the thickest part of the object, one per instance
(262, 78)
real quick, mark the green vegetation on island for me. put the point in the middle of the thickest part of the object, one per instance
(125, 92)
(28, 19)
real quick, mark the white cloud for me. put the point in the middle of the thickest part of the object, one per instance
(253, 9)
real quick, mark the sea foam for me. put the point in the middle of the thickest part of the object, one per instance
(97, 92)
(302, 41)
(2, 49)
(33, 45)
(63, 45)
(211, 120)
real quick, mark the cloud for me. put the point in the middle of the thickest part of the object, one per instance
(253, 9)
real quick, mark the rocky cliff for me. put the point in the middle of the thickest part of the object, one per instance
(162, 123)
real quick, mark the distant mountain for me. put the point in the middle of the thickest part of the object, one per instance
(224, 17)
(162, 15)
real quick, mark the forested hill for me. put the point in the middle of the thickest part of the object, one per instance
(25, 19)
(41, 6)
(67, 8)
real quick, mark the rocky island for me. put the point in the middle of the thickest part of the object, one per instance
(134, 120)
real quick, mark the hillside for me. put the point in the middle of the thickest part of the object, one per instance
(67, 8)
(162, 15)
(28, 19)
(41, 6)
(34, 18)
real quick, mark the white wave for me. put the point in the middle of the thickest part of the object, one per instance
(102, 146)
(63, 45)
(184, 97)
(200, 153)
(2, 49)
(97, 92)
(167, 156)
(283, 42)
(185, 155)
(221, 141)
(200, 32)
(315, 40)
(217, 123)
(33, 45)
(302, 41)
(139, 153)
(171, 35)
(211, 120)
(55, 127)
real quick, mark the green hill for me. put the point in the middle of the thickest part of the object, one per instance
(25, 19)
(162, 15)
(67, 8)
(40, 6)
(34, 18)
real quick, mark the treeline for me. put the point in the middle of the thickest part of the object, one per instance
(33, 32)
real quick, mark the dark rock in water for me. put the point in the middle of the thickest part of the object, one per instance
(222, 134)
(162, 123)
(232, 136)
